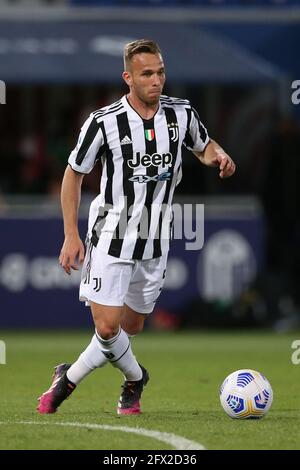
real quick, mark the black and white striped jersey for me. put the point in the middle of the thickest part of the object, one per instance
(141, 165)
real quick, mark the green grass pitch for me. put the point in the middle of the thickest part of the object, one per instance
(182, 397)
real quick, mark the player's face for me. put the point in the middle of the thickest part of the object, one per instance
(146, 77)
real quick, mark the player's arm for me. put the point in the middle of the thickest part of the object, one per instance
(214, 156)
(82, 159)
(206, 150)
(73, 247)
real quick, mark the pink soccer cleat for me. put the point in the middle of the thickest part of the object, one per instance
(60, 389)
(129, 402)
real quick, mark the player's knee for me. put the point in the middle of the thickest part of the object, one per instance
(107, 331)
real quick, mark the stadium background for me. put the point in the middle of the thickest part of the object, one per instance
(236, 61)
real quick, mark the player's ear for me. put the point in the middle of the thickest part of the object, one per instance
(126, 77)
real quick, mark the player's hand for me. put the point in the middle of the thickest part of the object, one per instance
(71, 253)
(215, 156)
(225, 163)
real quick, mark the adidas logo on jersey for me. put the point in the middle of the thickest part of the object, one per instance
(126, 140)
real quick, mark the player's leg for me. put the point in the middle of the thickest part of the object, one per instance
(93, 358)
(145, 287)
(114, 341)
(108, 283)
(129, 402)
(67, 376)
(90, 359)
(115, 345)
(104, 284)
(131, 321)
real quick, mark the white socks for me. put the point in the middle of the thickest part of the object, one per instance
(118, 351)
(91, 358)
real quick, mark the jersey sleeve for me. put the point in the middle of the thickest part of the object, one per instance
(89, 148)
(196, 137)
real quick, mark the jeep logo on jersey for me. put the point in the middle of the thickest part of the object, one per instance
(146, 178)
(155, 159)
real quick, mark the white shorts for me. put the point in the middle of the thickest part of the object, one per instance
(108, 280)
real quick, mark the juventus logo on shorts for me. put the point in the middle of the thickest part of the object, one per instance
(97, 283)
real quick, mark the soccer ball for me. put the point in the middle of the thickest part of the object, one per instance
(246, 394)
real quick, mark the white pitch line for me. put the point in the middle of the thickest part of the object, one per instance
(178, 442)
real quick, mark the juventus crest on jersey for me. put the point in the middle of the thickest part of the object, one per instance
(141, 165)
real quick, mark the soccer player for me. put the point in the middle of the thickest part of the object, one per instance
(139, 141)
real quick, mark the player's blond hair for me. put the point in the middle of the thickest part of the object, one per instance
(137, 47)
